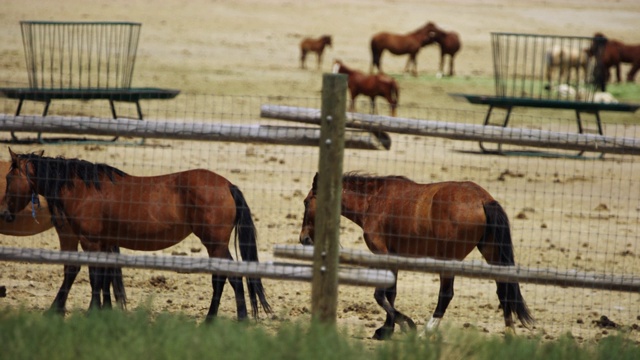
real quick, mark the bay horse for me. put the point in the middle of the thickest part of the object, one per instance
(616, 52)
(441, 220)
(313, 45)
(449, 42)
(399, 44)
(36, 219)
(369, 85)
(106, 207)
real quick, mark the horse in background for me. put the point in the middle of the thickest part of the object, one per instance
(449, 42)
(369, 85)
(399, 44)
(444, 221)
(313, 45)
(105, 207)
(616, 52)
(36, 219)
(567, 59)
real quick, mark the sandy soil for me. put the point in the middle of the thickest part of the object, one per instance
(566, 213)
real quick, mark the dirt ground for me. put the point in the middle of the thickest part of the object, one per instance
(566, 213)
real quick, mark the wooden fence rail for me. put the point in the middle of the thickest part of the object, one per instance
(461, 131)
(298, 272)
(474, 269)
(161, 129)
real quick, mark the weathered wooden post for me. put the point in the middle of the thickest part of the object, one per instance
(324, 290)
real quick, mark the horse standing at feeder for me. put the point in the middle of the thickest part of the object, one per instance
(399, 44)
(567, 59)
(369, 85)
(313, 45)
(449, 42)
(616, 52)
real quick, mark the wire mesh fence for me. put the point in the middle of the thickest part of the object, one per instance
(567, 215)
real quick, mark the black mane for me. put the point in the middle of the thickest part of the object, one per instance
(364, 180)
(53, 174)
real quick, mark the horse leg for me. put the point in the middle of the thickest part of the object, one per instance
(70, 274)
(68, 242)
(373, 105)
(319, 60)
(96, 278)
(618, 73)
(386, 330)
(440, 67)
(386, 299)
(451, 69)
(303, 56)
(444, 298)
(238, 289)
(632, 73)
(217, 282)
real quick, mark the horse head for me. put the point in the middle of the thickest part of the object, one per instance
(308, 222)
(326, 39)
(20, 186)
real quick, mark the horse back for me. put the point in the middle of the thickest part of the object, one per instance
(440, 220)
(397, 44)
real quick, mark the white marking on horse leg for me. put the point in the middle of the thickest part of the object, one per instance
(432, 325)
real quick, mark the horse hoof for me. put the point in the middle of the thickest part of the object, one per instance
(382, 334)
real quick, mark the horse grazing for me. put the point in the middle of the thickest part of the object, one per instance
(567, 59)
(614, 53)
(313, 45)
(36, 219)
(369, 85)
(399, 44)
(449, 43)
(441, 220)
(105, 207)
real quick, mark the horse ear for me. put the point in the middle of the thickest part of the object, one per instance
(314, 187)
(12, 154)
(41, 153)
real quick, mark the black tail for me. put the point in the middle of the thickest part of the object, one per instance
(246, 232)
(508, 293)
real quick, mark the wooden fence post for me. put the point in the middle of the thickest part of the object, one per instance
(324, 289)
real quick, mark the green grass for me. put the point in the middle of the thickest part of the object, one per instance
(139, 335)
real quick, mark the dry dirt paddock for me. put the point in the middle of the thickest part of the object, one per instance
(565, 213)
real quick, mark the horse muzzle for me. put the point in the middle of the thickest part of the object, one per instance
(7, 216)
(306, 240)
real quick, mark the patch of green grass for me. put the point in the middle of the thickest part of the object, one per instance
(140, 335)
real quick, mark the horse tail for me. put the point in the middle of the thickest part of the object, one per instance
(508, 292)
(247, 234)
(117, 283)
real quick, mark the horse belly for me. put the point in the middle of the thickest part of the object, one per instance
(149, 236)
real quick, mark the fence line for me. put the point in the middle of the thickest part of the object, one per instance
(297, 272)
(162, 129)
(473, 269)
(462, 131)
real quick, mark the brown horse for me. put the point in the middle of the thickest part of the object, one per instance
(616, 52)
(399, 44)
(369, 85)
(449, 42)
(36, 219)
(313, 45)
(106, 207)
(441, 220)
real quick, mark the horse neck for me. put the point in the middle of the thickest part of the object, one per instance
(345, 70)
(356, 197)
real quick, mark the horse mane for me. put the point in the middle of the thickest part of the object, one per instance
(52, 174)
(369, 182)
